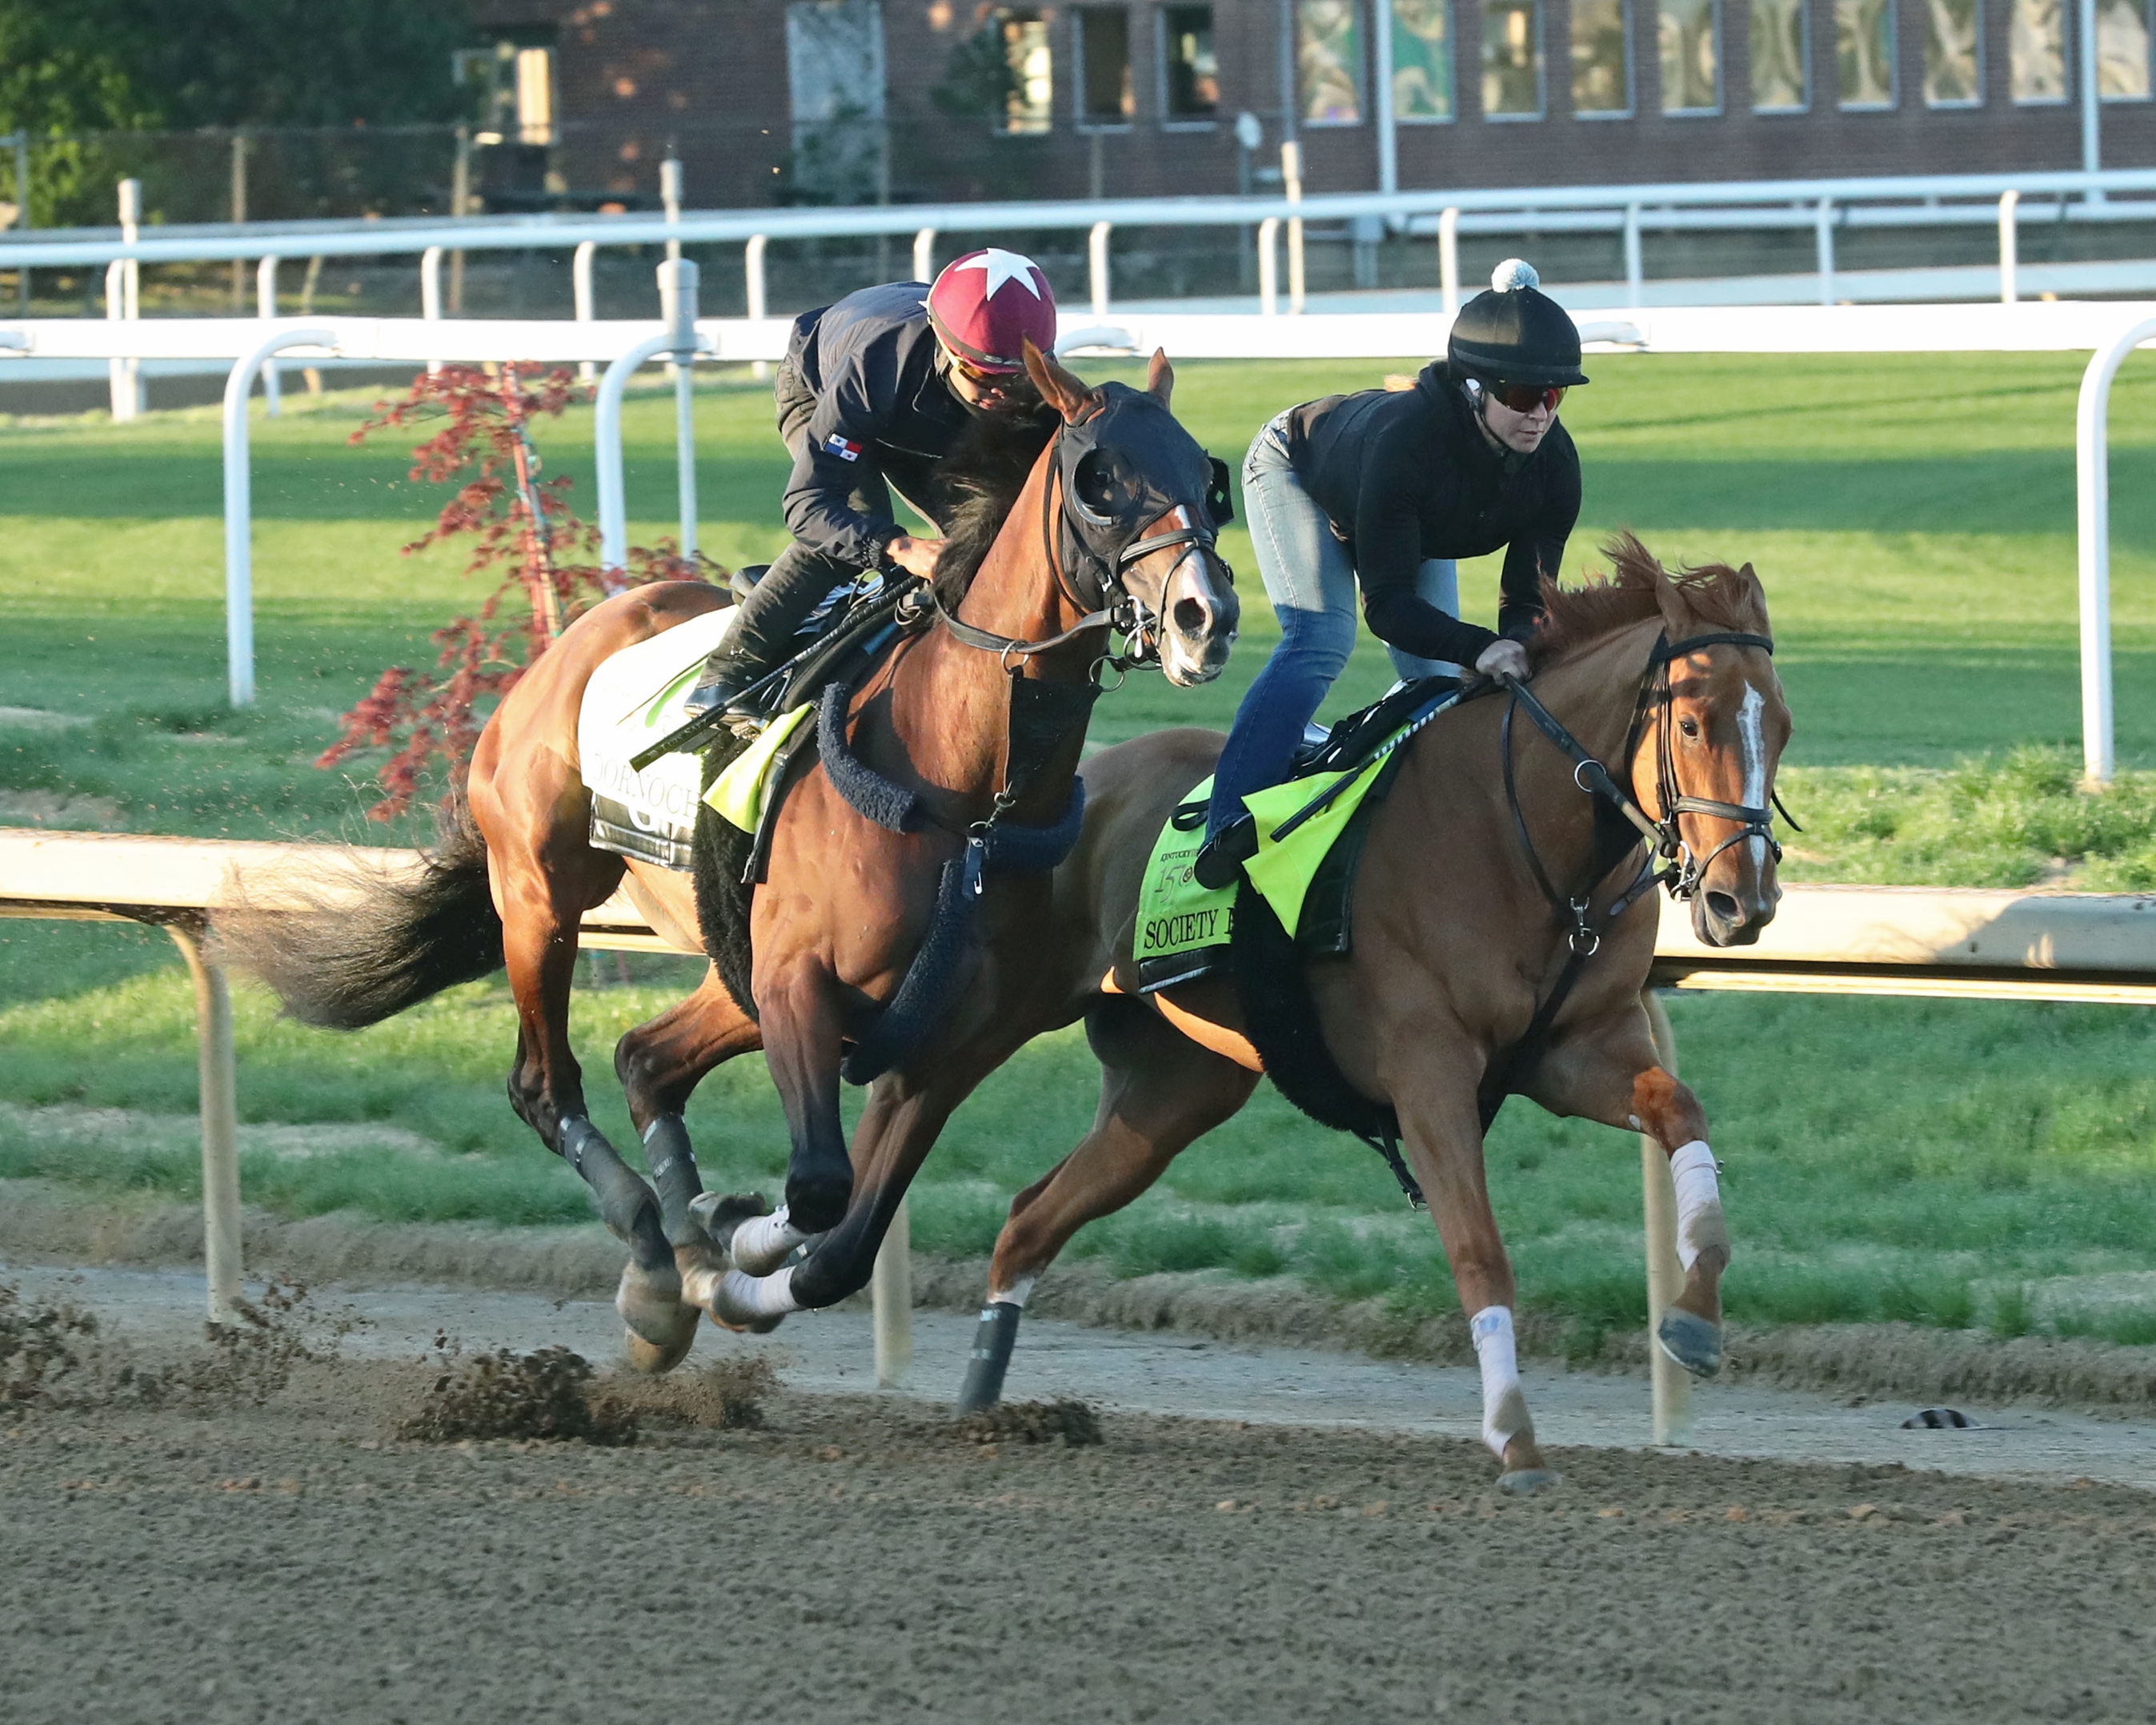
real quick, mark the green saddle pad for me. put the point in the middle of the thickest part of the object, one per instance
(1183, 927)
(737, 794)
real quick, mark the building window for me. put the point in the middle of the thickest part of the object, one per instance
(1031, 67)
(1601, 60)
(1329, 62)
(2036, 51)
(1781, 56)
(1691, 56)
(1954, 54)
(1104, 67)
(1190, 71)
(1422, 60)
(1864, 52)
(2121, 50)
(1512, 59)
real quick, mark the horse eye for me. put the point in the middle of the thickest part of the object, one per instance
(1689, 726)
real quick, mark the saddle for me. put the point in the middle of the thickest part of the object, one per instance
(1312, 827)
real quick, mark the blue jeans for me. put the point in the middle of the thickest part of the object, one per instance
(1310, 579)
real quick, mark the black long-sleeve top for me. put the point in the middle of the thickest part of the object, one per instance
(1409, 474)
(881, 407)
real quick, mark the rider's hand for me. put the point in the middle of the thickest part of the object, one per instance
(1503, 658)
(916, 557)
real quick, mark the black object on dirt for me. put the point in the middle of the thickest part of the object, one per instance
(1941, 1420)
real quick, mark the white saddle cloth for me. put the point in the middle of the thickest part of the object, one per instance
(633, 700)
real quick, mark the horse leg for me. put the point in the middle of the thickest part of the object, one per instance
(1159, 1092)
(803, 1031)
(1618, 1080)
(540, 915)
(660, 1064)
(1442, 1140)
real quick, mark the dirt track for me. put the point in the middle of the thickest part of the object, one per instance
(856, 1560)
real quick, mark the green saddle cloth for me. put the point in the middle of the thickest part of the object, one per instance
(1183, 927)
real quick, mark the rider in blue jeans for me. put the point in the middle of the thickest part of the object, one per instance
(1388, 488)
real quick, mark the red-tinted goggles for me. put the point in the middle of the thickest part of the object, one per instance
(1526, 398)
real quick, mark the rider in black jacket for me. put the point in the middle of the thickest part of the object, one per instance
(872, 395)
(1387, 489)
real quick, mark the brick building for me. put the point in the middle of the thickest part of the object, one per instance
(850, 100)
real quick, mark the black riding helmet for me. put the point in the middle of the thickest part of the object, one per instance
(1514, 333)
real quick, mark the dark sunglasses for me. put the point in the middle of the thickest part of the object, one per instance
(1526, 398)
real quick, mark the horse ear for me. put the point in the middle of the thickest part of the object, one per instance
(1061, 389)
(1676, 615)
(1160, 376)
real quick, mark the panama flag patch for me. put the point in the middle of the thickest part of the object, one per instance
(836, 445)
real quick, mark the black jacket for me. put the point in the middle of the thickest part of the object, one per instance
(881, 407)
(1405, 476)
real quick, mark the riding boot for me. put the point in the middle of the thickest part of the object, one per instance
(1221, 858)
(777, 606)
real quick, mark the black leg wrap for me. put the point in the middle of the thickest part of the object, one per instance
(673, 1166)
(993, 1342)
(626, 1205)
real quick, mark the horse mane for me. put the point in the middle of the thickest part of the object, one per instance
(1634, 591)
(986, 470)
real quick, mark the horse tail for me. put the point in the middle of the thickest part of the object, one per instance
(364, 944)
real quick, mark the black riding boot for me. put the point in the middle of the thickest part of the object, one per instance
(776, 607)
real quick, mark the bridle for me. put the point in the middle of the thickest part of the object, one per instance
(1681, 873)
(1102, 548)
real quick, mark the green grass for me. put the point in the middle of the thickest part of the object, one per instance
(1956, 1163)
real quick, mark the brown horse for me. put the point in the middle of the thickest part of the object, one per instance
(1455, 945)
(1106, 518)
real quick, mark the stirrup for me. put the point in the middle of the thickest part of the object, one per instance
(1220, 857)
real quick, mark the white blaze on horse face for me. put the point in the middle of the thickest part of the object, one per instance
(1754, 745)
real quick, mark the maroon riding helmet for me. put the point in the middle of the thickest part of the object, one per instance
(985, 304)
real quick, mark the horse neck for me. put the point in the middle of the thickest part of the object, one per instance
(951, 703)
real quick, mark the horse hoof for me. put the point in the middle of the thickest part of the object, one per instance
(1690, 1340)
(1526, 1481)
(649, 1301)
(653, 1360)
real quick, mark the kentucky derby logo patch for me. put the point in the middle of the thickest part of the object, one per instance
(836, 445)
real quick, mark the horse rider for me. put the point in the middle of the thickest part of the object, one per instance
(1389, 487)
(874, 391)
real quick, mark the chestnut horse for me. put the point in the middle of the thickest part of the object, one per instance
(1028, 587)
(1470, 898)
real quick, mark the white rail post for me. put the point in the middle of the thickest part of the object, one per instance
(115, 312)
(1634, 271)
(1448, 258)
(2091, 97)
(1269, 266)
(430, 294)
(265, 307)
(890, 1293)
(669, 195)
(2009, 248)
(752, 274)
(580, 284)
(924, 255)
(218, 1078)
(127, 374)
(1097, 257)
(2092, 485)
(1292, 180)
(677, 309)
(606, 453)
(239, 509)
(1823, 235)
(1671, 1383)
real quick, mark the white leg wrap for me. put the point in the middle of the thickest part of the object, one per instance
(1699, 1203)
(1504, 1406)
(760, 1295)
(1015, 1294)
(762, 1242)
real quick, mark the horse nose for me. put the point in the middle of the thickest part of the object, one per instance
(1193, 616)
(1723, 908)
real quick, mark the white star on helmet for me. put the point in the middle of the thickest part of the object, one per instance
(1002, 266)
